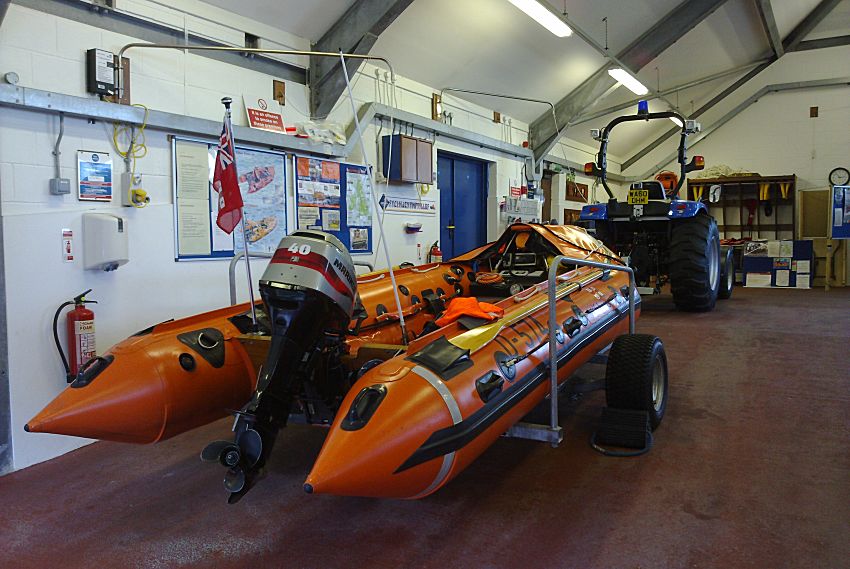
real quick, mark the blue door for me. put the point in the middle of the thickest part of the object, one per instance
(463, 201)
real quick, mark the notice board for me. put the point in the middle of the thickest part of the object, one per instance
(335, 197)
(262, 182)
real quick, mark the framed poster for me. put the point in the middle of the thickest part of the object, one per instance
(577, 192)
(262, 183)
(94, 176)
(335, 197)
(840, 212)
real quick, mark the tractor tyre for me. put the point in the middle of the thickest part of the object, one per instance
(636, 376)
(727, 274)
(695, 263)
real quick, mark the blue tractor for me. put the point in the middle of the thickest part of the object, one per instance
(664, 238)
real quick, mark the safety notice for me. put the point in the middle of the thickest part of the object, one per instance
(94, 171)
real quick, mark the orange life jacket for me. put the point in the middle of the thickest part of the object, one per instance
(469, 306)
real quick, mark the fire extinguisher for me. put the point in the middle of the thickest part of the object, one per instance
(434, 254)
(80, 329)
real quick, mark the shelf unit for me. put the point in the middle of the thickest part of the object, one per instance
(740, 195)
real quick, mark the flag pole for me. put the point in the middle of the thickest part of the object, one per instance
(254, 328)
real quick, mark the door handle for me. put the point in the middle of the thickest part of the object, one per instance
(450, 227)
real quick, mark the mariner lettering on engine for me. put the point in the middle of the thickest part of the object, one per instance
(339, 266)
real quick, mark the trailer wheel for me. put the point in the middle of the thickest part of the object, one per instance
(727, 274)
(636, 376)
(695, 263)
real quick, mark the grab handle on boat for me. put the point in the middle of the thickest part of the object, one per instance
(232, 271)
(554, 328)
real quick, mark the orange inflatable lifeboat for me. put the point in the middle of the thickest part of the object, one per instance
(409, 405)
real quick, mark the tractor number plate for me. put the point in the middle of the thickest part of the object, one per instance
(638, 197)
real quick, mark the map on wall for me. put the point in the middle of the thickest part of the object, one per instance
(357, 194)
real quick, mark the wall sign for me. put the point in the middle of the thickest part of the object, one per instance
(400, 204)
(94, 176)
(263, 115)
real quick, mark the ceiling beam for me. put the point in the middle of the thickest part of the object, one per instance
(822, 43)
(667, 31)
(355, 32)
(809, 23)
(768, 22)
(672, 90)
(791, 43)
(4, 5)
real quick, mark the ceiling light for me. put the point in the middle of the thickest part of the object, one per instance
(677, 122)
(544, 16)
(626, 79)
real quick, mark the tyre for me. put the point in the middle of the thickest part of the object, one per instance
(727, 274)
(694, 263)
(636, 376)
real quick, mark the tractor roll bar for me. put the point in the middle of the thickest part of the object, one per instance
(601, 166)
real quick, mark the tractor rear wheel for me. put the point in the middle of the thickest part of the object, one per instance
(727, 274)
(695, 263)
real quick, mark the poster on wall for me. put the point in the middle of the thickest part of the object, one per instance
(334, 197)
(576, 192)
(841, 212)
(262, 182)
(94, 176)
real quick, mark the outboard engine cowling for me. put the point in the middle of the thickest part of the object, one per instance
(309, 290)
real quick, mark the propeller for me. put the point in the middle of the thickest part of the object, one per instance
(238, 456)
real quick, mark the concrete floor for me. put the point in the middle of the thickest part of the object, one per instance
(750, 469)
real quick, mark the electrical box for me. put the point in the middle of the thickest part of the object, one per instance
(132, 194)
(100, 72)
(105, 241)
(59, 186)
(411, 161)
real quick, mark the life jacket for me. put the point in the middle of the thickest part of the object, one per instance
(469, 306)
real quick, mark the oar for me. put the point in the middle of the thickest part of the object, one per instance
(477, 338)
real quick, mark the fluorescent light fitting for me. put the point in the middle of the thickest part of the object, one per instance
(626, 79)
(677, 122)
(543, 16)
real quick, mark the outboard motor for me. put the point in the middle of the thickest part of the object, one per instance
(309, 290)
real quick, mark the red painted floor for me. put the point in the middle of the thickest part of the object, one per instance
(750, 469)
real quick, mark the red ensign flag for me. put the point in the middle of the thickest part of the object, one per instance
(226, 182)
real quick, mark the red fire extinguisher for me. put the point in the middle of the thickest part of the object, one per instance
(435, 255)
(80, 330)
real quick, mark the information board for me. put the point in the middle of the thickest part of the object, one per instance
(262, 182)
(840, 214)
(335, 197)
